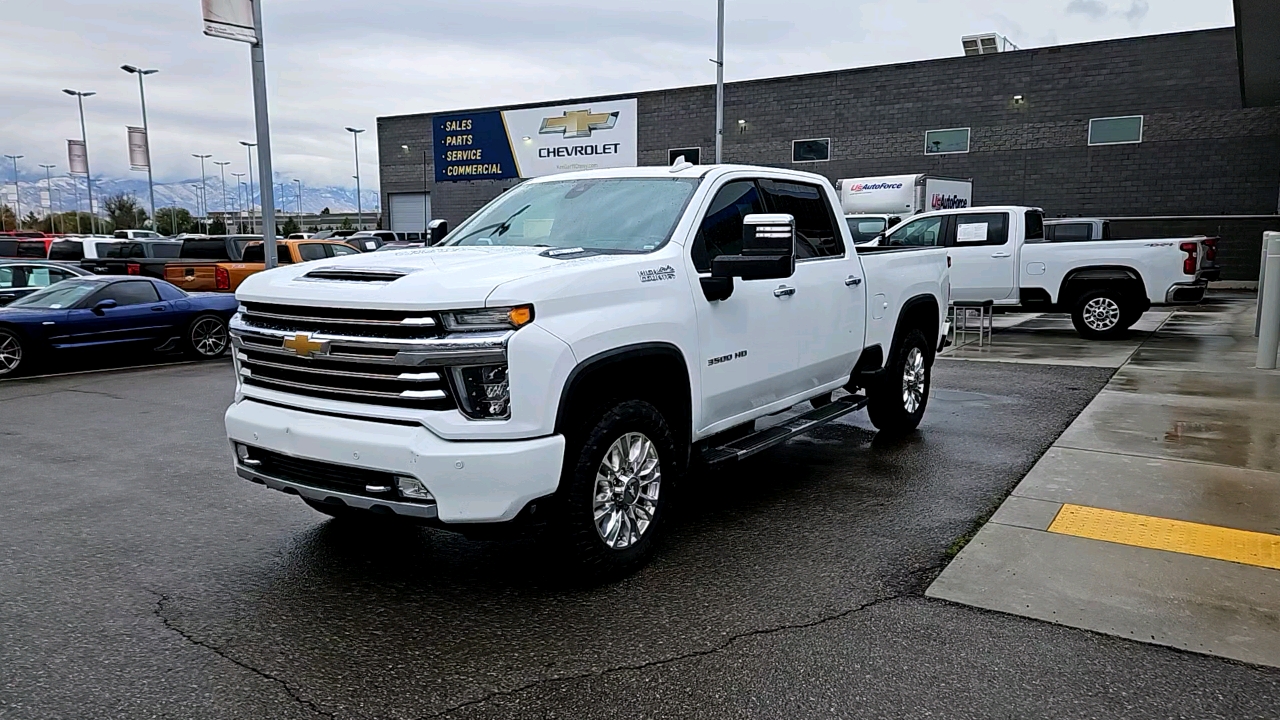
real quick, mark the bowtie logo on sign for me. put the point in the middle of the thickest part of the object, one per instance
(578, 123)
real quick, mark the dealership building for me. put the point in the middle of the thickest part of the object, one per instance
(1178, 133)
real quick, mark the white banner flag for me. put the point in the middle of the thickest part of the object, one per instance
(229, 20)
(139, 157)
(77, 157)
(44, 199)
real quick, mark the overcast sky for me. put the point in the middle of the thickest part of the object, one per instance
(334, 63)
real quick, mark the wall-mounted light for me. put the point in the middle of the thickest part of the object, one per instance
(1018, 100)
(742, 126)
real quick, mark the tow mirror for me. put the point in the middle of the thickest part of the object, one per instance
(104, 305)
(768, 253)
(437, 229)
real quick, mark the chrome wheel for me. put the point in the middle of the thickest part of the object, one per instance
(209, 337)
(627, 486)
(10, 353)
(1101, 314)
(913, 381)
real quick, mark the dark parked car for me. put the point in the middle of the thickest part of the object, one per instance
(19, 278)
(109, 311)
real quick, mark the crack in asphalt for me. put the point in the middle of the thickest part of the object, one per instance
(161, 599)
(724, 645)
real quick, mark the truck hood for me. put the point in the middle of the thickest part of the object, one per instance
(426, 278)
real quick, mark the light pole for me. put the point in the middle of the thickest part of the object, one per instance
(299, 184)
(719, 79)
(151, 187)
(84, 138)
(196, 188)
(222, 165)
(239, 201)
(355, 136)
(75, 185)
(48, 182)
(17, 192)
(204, 197)
(248, 146)
(244, 188)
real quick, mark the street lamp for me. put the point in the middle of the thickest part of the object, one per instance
(146, 132)
(239, 201)
(204, 198)
(355, 136)
(298, 182)
(248, 146)
(222, 165)
(84, 138)
(48, 181)
(17, 192)
(196, 188)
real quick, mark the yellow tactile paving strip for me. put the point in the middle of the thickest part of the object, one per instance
(1188, 538)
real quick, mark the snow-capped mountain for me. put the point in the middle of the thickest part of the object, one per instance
(184, 194)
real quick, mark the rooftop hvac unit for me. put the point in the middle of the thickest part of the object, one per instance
(986, 44)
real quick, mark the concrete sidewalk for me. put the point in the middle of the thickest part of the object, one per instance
(1156, 515)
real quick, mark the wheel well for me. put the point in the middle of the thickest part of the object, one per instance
(919, 313)
(653, 372)
(1078, 282)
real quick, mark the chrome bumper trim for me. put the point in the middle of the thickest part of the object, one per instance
(426, 512)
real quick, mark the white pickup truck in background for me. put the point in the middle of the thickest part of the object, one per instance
(1000, 254)
(872, 205)
(569, 350)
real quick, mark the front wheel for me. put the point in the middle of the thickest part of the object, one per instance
(896, 402)
(1101, 315)
(207, 338)
(616, 488)
(14, 354)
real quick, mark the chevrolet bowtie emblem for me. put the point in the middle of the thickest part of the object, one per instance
(304, 346)
(578, 123)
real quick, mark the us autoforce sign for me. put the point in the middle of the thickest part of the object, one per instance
(495, 145)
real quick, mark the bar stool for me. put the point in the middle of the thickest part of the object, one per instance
(962, 310)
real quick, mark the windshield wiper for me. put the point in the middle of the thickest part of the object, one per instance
(502, 227)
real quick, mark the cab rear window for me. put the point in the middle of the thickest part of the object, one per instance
(22, 248)
(66, 250)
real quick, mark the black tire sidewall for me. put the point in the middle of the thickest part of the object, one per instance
(1122, 323)
(885, 406)
(190, 346)
(583, 456)
(25, 361)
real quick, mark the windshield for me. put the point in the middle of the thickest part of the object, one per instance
(865, 229)
(620, 214)
(58, 296)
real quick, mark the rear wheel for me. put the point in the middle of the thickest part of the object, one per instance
(897, 401)
(14, 354)
(1102, 315)
(207, 337)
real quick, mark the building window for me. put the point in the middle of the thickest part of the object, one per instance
(691, 155)
(1115, 130)
(810, 150)
(946, 142)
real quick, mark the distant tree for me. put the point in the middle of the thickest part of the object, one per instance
(7, 221)
(346, 224)
(165, 221)
(290, 227)
(125, 212)
(30, 221)
(324, 211)
(218, 226)
(313, 229)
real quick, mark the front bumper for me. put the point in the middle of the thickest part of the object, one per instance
(473, 482)
(1186, 293)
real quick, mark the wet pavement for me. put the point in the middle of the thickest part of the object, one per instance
(1186, 431)
(140, 578)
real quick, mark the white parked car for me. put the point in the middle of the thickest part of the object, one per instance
(568, 351)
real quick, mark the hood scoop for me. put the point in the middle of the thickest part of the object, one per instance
(357, 274)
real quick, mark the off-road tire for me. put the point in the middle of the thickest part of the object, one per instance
(1103, 315)
(576, 501)
(891, 397)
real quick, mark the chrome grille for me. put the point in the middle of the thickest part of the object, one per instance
(379, 357)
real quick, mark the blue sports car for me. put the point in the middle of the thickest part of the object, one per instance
(102, 311)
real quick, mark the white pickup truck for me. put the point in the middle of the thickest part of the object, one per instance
(1000, 254)
(569, 350)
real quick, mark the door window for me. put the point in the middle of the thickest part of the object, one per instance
(1069, 232)
(129, 292)
(816, 234)
(10, 277)
(340, 250)
(721, 229)
(982, 229)
(1035, 226)
(311, 251)
(44, 276)
(923, 232)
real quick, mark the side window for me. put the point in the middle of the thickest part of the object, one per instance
(924, 232)
(982, 229)
(11, 277)
(311, 251)
(1071, 232)
(43, 276)
(340, 250)
(283, 256)
(816, 233)
(721, 229)
(1035, 226)
(130, 292)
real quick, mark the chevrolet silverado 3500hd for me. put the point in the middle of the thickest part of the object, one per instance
(573, 347)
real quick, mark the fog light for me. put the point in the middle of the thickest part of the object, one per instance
(412, 488)
(242, 452)
(483, 391)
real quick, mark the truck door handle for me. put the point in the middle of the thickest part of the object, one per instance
(1000, 255)
(784, 291)
(851, 280)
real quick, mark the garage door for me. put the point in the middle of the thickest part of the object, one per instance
(410, 212)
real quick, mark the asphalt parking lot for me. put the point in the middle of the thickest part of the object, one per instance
(140, 578)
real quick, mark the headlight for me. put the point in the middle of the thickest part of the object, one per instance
(483, 391)
(507, 318)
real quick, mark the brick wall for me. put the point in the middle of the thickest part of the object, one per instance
(1202, 153)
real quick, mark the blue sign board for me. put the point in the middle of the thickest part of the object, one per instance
(473, 146)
